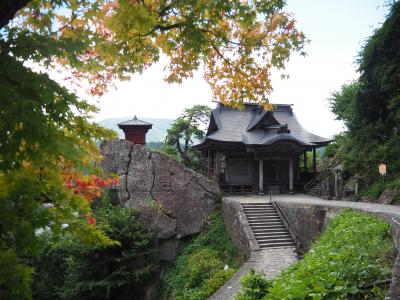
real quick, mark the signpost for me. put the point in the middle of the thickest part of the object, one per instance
(382, 171)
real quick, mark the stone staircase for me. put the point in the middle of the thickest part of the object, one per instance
(313, 191)
(267, 226)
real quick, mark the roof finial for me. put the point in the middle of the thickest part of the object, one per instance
(135, 118)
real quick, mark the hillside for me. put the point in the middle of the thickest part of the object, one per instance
(156, 134)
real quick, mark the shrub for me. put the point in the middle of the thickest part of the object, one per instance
(353, 253)
(201, 264)
(254, 286)
(199, 269)
(69, 270)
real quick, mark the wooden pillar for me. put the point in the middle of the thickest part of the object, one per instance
(305, 161)
(218, 165)
(314, 159)
(208, 163)
(202, 162)
(261, 176)
(291, 176)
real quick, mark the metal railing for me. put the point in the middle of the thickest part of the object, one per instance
(289, 226)
(309, 185)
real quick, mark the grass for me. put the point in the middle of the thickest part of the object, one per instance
(200, 269)
(350, 260)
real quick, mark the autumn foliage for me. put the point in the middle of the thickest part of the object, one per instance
(88, 187)
(237, 43)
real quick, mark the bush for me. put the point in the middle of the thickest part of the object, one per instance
(69, 270)
(254, 286)
(353, 253)
(200, 268)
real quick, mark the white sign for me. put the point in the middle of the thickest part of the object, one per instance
(382, 169)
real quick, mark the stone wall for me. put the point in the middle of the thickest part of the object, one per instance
(238, 227)
(307, 221)
(310, 220)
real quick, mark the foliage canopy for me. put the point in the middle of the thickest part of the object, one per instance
(370, 106)
(237, 42)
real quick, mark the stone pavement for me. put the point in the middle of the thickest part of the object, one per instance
(269, 261)
(311, 200)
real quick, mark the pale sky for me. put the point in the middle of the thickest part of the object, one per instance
(336, 29)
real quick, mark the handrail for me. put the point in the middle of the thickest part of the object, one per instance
(291, 229)
(309, 184)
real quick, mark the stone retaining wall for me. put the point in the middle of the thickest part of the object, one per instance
(238, 227)
(310, 220)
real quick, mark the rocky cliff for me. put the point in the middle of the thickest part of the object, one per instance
(171, 199)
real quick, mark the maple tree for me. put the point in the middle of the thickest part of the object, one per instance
(236, 42)
(46, 132)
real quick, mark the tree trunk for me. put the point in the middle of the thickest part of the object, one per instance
(8, 9)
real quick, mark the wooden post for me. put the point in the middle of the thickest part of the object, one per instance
(291, 176)
(305, 161)
(314, 159)
(208, 163)
(261, 176)
(218, 166)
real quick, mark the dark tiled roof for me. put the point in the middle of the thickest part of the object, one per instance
(135, 121)
(254, 126)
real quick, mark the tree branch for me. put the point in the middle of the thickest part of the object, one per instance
(8, 9)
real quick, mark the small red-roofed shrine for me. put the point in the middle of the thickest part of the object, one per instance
(135, 130)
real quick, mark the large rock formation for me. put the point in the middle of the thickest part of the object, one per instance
(172, 200)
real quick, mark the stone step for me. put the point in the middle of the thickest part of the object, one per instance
(276, 243)
(260, 211)
(257, 203)
(266, 223)
(274, 239)
(261, 214)
(263, 220)
(263, 228)
(272, 246)
(268, 229)
(258, 206)
(273, 233)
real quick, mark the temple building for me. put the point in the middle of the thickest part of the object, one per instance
(258, 151)
(135, 130)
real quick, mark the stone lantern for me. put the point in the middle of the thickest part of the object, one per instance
(338, 181)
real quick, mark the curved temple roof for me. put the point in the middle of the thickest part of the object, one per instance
(256, 127)
(134, 122)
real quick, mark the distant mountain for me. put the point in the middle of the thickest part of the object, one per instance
(156, 134)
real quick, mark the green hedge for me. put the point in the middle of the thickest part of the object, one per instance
(350, 260)
(199, 269)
